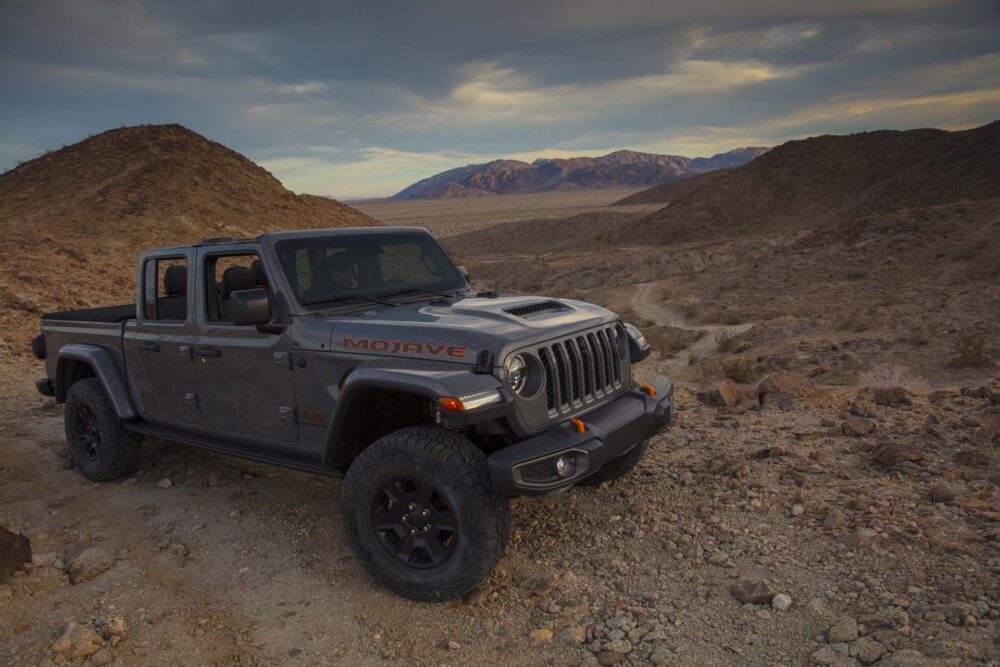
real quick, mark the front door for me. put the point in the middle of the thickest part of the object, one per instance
(159, 346)
(245, 381)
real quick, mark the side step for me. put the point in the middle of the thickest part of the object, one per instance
(243, 451)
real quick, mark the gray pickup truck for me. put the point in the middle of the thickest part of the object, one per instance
(360, 353)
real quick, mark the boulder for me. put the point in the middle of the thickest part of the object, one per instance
(844, 630)
(749, 591)
(88, 564)
(15, 551)
(726, 393)
(894, 453)
(77, 641)
(857, 427)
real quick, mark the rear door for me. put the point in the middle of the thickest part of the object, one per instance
(244, 377)
(158, 350)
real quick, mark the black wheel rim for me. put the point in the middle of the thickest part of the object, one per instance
(88, 436)
(414, 522)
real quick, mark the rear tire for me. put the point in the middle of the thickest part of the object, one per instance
(619, 467)
(98, 445)
(419, 510)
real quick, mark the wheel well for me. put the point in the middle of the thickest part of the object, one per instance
(69, 372)
(372, 413)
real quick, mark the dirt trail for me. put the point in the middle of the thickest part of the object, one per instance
(647, 302)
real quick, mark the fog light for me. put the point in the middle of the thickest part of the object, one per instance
(564, 466)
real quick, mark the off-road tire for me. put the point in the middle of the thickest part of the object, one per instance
(458, 471)
(619, 467)
(116, 452)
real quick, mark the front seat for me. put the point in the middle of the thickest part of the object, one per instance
(173, 306)
(234, 279)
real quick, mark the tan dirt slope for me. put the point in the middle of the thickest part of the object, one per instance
(74, 219)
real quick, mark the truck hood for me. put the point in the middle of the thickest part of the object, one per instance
(457, 330)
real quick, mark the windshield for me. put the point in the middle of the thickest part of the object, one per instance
(335, 268)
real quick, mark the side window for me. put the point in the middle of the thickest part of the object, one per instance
(226, 274)
(165, 289)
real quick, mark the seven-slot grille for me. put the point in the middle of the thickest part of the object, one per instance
(580, 369)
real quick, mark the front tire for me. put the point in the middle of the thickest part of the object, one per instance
(98, 445)
(419, 510)
(619, 467)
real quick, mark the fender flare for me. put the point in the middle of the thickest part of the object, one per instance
(105, 367)
(426, 380)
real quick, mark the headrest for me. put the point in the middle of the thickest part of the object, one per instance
(175, 280)
(235, 278)
(340, 261)
(257, 274)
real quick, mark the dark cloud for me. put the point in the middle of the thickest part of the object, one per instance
(361, 98)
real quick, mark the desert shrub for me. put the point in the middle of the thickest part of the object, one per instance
(970, 351)
(730, 342)
(737, 369)
(882, 376)
(689, 309)
(916, 336)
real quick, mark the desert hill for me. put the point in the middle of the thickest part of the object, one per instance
(74, 219)
(805, 184)
(619, 169)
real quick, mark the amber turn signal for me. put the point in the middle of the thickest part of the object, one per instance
(578, 423)
(648, 388)
(451, 403)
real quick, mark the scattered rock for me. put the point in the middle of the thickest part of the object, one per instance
(845, 630)
(165, 483)
(781, 602)
(574, 635)
(750, 591)
(102, 657)
(857, 427)
(661, 655)
(88, 564)
(824, 656)
(15, 551)
(867, 650)
(449, 645)
(894, 453)
(77, 641)
(834, 519)
(115, 627)
(798, 509)
(539, 637)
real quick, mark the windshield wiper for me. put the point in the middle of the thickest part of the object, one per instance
(414, 290)
(345, 297)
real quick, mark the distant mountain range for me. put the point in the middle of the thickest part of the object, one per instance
(618, 169)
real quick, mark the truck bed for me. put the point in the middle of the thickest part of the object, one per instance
(105, 314)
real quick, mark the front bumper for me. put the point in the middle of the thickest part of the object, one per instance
(611, 430)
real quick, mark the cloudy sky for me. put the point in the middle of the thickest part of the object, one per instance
(360, 99)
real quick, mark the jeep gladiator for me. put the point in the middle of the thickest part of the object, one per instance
(360, 353)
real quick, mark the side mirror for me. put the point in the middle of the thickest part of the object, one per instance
(464, 271)
(249, 306)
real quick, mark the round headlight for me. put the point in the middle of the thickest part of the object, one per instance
(517, 372)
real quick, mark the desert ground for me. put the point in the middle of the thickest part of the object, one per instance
(828, 493)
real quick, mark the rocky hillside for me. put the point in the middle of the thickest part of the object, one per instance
(73, 219)
(618, 169)
(805, 184)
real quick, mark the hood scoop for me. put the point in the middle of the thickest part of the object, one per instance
(534, 308)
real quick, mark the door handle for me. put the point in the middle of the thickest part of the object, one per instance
(208, 352)
(149, 347)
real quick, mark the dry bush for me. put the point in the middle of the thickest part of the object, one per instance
(737, 369)
(970, 352)
(884, 376)
(730, 342)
